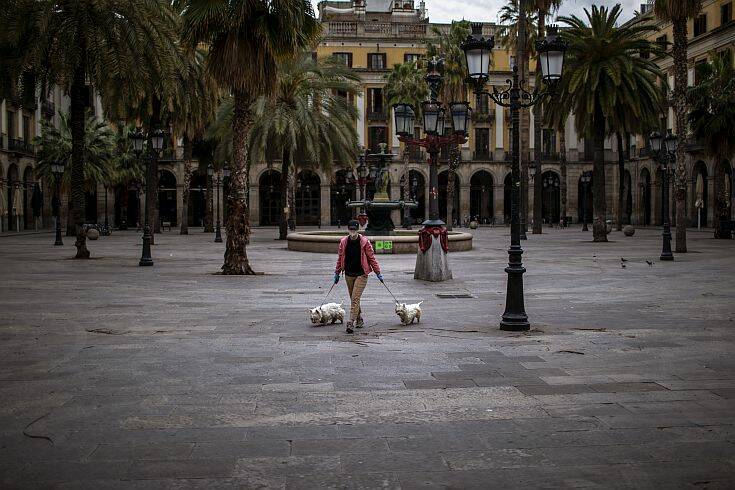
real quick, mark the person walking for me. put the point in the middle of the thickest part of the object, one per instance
(355, 257)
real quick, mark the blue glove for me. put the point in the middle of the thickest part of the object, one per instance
(380, 277)
(336, 277)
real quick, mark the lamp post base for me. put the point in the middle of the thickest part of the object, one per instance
(432, 264)
(515, 318)
(218, 234)
(145, 258)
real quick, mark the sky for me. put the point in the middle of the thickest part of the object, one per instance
(444, 11)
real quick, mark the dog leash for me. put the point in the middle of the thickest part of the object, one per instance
(386, 287)
(327, 296)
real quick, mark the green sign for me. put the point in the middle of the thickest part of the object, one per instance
(384, 246)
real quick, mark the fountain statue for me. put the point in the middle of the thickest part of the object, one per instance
(378, 209)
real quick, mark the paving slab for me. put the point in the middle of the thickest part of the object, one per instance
(117, 376)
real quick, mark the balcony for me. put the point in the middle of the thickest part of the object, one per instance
(377, 116)
(20, 147)
(550, 156)
(483, 115)
(377, 29)
(48, 108)
(482, 156)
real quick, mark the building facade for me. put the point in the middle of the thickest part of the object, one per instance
(371, 36)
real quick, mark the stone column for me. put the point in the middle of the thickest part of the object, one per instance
(324, 219)
(360, 99)
(254, 205)
(464, 201)
(498, 202)
(180, 204)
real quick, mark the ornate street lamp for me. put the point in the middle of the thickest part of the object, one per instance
(586, 179)
(664, 150)
(404, 119)
(138, 137)
(477, 51)
(57, 169)
(460, 112)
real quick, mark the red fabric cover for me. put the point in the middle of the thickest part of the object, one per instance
(427, 234)
(367, 257)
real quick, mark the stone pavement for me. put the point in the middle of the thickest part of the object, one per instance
(117, 376)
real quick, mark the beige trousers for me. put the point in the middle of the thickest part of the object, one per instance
(355, 286)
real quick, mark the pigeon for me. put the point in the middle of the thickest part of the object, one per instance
(650, 264)
(622, 266)
(623, 259)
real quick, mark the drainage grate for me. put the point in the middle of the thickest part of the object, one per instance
(453, 295)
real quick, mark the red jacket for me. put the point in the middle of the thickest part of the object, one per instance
(367, 256)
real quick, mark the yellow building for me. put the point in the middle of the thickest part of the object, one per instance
(712, 33)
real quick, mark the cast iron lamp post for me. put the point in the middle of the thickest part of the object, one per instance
(138, 138)
(664, 150)
(217, 183)
(586, 179)
(57, 169)
(478, 51)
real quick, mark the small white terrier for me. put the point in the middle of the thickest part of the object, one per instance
(328, 313)
(409, 313)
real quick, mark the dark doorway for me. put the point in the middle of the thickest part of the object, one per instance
(481, 197)
(627, 198)
(12, 191)
(90, 204)
(584, 199)
(551, 197)
(27, 195)
(167, 197)
(645, 197)
(269, 190)
(308, 199)
(341, 192)
(197, 199)
(700, 195)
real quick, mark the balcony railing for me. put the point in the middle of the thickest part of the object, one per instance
(481, 156)
(483, 115)
(377, 116)
(20, 146)
(550, 156)
(377, 29)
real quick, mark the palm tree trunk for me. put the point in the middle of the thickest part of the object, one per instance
(283, 222)
(238, 221)
(621, 182)
(185, 191)
(563, 169)
(537, 118)
(151, 201)
(209, 207)
(77, 121)
(599, 227)
(680, 109)
(291, 204)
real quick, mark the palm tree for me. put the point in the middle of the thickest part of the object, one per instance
(542, 8)
(511, 30)
(246, 39)
(603, 71)
(100, 145)
(310, 118)
(712, 120)
(679, 12)
(447, 45)
(406, 85)
(71, 43)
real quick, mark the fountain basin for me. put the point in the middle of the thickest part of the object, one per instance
(403, 241)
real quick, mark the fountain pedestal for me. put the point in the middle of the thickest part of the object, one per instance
(432, 263)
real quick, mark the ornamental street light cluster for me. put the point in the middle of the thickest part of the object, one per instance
(664, 151)
(138, 137)
(478, 52)
(57, 169)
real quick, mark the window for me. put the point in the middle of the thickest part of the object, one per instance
(663, 42)
(482, 143)
(645, 54)
(482, 104)
(700, 25)
(345, 58)
(376, 135)
(549, 143)
(698, 67)
(376, 61)
(376, 109)
(726, 13)
(26, 129)
(512, 62)
(11, 124)
(411, 58)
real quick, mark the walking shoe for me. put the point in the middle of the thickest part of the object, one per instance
(349, 328)
(360, 322)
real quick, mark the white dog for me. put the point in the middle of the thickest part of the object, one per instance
(328, 313)
(409, 313)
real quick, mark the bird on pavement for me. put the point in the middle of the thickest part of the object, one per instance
(650, 264)
(622, 265)
(622, 259)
